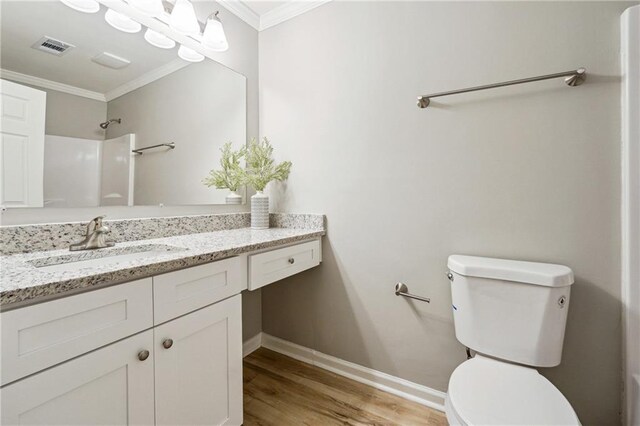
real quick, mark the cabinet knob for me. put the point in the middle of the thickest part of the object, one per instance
(292, 260)
(143, 355)
(167, 343)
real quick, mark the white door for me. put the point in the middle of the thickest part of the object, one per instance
(22, 119)
(199, 367)
(110, 386)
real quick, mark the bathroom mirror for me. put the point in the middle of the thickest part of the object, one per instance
(80, 97)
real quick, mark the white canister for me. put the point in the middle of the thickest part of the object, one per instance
(259, 211)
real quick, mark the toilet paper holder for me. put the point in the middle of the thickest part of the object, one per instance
(403, 290)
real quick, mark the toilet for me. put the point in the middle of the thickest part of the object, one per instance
(512, 314)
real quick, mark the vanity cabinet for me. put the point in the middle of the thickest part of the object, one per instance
(163, 350)
(179, 360)
(191, 366)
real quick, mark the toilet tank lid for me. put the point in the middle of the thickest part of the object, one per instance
(544, 274)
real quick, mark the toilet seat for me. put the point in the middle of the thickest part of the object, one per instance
(485, 391)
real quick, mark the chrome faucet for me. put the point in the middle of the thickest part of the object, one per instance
(96, 236)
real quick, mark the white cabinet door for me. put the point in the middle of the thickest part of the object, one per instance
(22, 119)
(198, 360)
(110, 386)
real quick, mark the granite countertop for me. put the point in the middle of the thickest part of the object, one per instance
(22, 282)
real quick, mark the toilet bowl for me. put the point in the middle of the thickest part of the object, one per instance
(485, 391)
(513, 315)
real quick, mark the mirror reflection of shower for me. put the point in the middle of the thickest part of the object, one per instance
(108, 122)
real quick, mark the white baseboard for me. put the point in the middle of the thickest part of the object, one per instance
(251, 344)
(403, 388)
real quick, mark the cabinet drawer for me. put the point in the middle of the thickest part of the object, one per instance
(39, 336)
(180, 292)
(274, 265)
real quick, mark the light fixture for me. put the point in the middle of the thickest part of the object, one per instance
(158, 40)
(86, 6)
(213, 37)
(189, 54)
(183, 18)
(152, 8)
(121, 22)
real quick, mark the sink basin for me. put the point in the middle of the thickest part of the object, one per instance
(101, 257)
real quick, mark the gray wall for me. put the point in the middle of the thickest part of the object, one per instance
(74, 116)
(199, 108)
(528, 172)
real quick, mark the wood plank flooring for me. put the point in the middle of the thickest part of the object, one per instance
(279, 390)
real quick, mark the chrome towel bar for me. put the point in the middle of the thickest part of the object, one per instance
(573, 78)
(402, 290)
(170, 145)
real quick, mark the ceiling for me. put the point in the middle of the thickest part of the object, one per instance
(25, 22)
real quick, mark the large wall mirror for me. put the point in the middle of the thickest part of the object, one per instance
(82, 102)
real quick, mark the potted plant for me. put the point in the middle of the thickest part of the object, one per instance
(231, 176)
(262, 169)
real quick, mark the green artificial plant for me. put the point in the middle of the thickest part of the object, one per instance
(261, 167)
(232, 176)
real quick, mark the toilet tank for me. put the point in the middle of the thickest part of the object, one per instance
(509, 309)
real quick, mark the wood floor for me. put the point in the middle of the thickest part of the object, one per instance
(279, 390)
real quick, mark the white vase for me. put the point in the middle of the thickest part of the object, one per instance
(233, 198)
(259, 211)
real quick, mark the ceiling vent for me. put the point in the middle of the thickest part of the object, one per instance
(110, 60)
(53, 46)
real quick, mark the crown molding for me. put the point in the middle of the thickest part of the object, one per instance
(282, 13)
(145, 79)
(130, 86)
(242, 11)
(53, 85)
(287, 11)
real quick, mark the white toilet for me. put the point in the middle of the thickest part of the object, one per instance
(513, 314)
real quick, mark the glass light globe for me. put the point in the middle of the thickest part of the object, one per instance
(121, 22)
(183, 18)
(86, 6)
(214, 37)
(157, 39)
(189, 54)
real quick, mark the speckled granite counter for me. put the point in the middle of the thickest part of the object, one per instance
(22, 282)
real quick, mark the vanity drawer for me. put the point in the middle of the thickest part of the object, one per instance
(177, 293)
(274, 265)
(39, 336)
